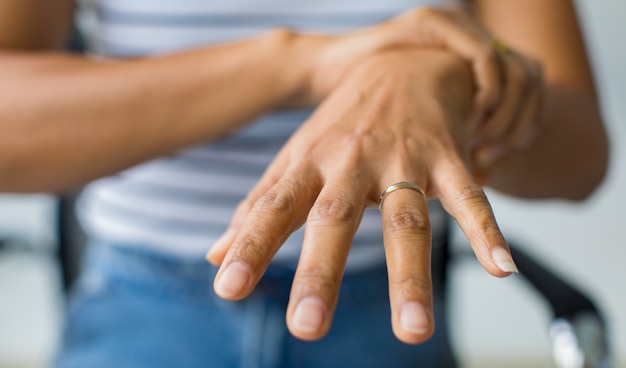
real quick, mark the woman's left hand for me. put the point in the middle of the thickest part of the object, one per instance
(399, 116)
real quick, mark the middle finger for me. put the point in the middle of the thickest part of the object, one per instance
(331, 225)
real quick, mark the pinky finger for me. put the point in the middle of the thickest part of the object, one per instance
(465, 200)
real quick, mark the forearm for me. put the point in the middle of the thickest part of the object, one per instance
(568, 159)
(66, 120)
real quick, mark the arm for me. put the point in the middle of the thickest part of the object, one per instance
(568, 158)
(67, 119)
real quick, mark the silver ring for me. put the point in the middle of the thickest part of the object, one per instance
(396, 186)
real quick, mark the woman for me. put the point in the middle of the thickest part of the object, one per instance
(183, 105)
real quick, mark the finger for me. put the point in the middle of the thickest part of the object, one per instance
(465, 200)
(492, 137)
(499, 124)
(407, 239)
(502, 137)
(525, 129)
(330, 227)
(474, 45)
(270, 177)
(218, 251)
(488, 71)
(269, 223)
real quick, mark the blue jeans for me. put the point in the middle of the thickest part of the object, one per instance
(133, 308)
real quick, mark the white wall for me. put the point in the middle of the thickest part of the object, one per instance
(494, 320)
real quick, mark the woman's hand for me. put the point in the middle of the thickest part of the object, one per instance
(399, 116)
(509, 96)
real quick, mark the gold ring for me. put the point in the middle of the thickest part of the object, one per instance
(499, 46)
(396, 186)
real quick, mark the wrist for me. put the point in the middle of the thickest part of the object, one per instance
(293, 58)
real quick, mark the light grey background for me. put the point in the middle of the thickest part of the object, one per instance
(494, 320)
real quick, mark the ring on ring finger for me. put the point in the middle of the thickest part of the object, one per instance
(396, 186)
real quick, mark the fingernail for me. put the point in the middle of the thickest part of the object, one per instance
(413, 318)
(503, 260)
(309, 315)
(233, 280)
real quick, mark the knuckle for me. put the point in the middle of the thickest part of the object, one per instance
(412, 283)
(250, 250)
(283, 201)
(491, 229)
(333, 210)
(470, 194)
(405, 218)
(316, 279)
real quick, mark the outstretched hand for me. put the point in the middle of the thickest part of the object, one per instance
(400, 116)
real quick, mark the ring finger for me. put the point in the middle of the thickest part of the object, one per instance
(407, 239)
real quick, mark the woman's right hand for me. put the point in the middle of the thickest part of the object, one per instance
(509, 85)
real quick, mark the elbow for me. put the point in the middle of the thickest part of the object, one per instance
(592, 184)
(589, 145)
(586, 190)
(593, 168)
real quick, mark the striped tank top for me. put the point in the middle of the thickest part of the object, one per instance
(181, 203)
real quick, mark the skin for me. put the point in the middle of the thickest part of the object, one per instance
(569, 155)
(87, 109)
(279, 69)
(565, 158)
(333, 168)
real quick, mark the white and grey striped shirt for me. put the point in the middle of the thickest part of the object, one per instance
(181, 203)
